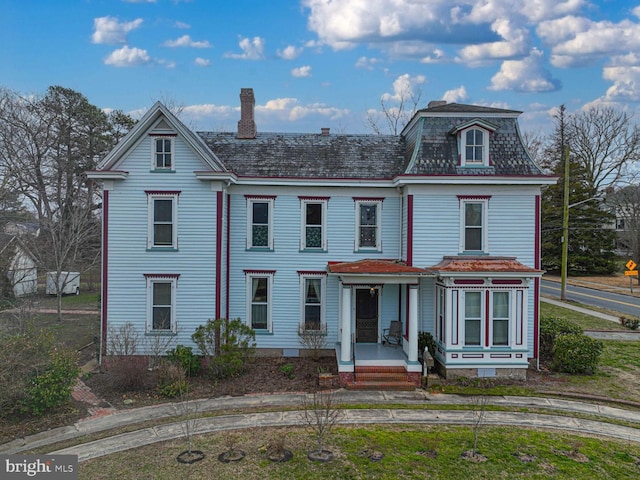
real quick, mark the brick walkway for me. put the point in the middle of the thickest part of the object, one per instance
(97, 407)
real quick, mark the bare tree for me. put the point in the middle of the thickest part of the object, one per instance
(46, 145)
(605, 142)
(396, 109)
(625, 202)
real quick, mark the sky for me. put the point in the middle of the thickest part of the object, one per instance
(325, 63)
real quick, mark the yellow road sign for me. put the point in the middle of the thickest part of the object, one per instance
(631, 265)
(631, 273)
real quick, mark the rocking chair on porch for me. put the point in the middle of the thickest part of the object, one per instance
(393, 334)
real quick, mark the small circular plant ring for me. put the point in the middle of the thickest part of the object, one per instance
(281, 456)
(231, 456)
(190, 456)
(320, 456)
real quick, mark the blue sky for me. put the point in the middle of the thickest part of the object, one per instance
(324, 63)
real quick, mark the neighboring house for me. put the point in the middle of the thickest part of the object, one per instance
(17, 263)
(437, 227)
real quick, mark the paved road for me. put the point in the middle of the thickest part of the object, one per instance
(624, 304)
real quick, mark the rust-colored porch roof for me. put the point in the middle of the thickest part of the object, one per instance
(374, 267)
(473, 264)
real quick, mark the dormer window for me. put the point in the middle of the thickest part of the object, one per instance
(475, 147)
(473, 142)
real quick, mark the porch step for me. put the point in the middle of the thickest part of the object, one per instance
(381, 378)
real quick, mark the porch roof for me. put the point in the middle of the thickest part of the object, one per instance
(374, 267)
(483, 264)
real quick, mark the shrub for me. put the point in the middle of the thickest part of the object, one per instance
(128, 374)
(22, 357)
(630, 323)
(53, 387)
(425, 339)
(314, 340)
(550, 329)
(171, 380)
(227, 345)
(185, 358)
(576, 353)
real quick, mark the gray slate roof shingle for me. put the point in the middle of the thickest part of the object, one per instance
(291, 155)
(280, 155)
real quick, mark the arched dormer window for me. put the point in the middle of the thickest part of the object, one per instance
(474, 147)
(473, 142)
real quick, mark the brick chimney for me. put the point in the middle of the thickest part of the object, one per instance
(247, 124)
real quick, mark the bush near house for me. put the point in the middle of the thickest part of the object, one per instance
(35, 376)
(227, 346)
(563, 344)
(550, 329)
(576, 353)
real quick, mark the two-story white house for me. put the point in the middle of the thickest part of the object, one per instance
(437, 227)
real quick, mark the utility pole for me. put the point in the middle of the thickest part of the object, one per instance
(565, 228)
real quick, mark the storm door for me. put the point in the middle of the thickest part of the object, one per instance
(367, 315)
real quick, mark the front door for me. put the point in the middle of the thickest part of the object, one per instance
(366, 315)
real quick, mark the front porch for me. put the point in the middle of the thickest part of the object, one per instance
(377, 366)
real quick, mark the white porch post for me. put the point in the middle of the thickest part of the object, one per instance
(412, 353)
(345, 339)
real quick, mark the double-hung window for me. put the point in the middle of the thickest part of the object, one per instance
(472, 318)
(314, 232)
(161, 294)
(259, 299)
(163, 153)
(473, 142)
(474, 146)
(473, 225)
(313, 303)
(368, 224)
(260, 222)
(163, 220)
(500, 320)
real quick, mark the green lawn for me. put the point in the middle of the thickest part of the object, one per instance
(408, 452)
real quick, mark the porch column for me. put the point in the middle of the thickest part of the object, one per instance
(345, 338)
(412, 353)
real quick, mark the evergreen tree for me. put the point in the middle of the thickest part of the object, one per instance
(591, 239)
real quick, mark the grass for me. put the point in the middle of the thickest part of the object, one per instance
(408, 452)
(587, 322)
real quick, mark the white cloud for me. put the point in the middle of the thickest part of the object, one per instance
(202, 62)
(182, 25)
(626, 83)
(290, 109)
(526, 75)
(186, 41)
(127, 57)
(515, 43)
(579, 41)
(368, 63)
(455, 95)
(291, 52)
(405, 87)
(437, 56)
(301, 72)
(252, 49)
(108, 30)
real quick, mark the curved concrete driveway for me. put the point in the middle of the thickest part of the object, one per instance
(377, 414)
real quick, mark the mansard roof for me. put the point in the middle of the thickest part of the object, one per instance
(432, 143)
